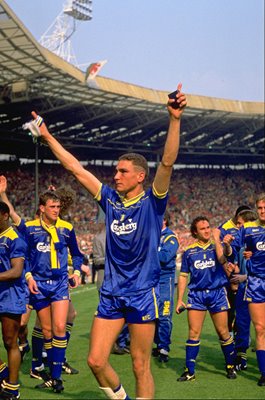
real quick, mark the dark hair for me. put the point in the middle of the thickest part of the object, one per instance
(138, 160)
(67, 197)
(48, 195)
(241, 208)
(4, 209)
(248, 215)
(167, 218)
(193, 226)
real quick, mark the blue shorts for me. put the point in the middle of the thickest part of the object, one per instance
(49, 291)
(214, 300)
(255, 290)
(137, 309)
(12, 299)
(27, 292)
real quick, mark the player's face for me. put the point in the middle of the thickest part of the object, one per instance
(128, 177)
(3, 221)
(240, 222)
(261, 210)
(50, 212)
(203, 231)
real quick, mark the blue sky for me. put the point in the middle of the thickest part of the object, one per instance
(214, 47)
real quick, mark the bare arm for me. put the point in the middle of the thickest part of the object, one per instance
(218, 246)
(3, 186)
(15, 272)
(182, 284)
(227, 240)
(86, 178)
(164, 171)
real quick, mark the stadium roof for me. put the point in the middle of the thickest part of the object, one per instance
(105, 118)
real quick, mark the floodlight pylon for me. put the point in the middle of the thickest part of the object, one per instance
(58, 35)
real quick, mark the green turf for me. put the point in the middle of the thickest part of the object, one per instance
(210, 382)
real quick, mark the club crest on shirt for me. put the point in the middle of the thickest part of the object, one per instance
(121, 228)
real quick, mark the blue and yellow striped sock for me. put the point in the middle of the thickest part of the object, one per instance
(3, 371)
(228, 349)
(59, 345)
(10, 388)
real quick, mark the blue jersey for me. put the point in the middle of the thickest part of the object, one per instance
(200, 261)
(167, 253)
(133, 230)
(252, 237)
(41, 253)
(12, 294)
(228, 228)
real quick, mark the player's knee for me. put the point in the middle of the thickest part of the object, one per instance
(95, 364)
(194, 334)
(260, 330)
(47, 332)
(9, 342)
(59, 329)
(140, 367)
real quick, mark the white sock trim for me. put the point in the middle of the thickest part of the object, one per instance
(120, 394)
(108, 392)
(40, 368)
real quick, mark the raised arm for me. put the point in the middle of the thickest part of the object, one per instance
(86, 178)
(3, 196)
(164, 171)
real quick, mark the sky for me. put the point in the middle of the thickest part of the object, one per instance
(214, 47)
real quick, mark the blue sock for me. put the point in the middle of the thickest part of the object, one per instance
(12, 388)
(4, 372)
(37, 344)
(228, 349)
(192, 350)
(48, 348)
(69, 327)
(260, 354)
(59, 345)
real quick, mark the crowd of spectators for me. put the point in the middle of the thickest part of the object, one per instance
(215, 193)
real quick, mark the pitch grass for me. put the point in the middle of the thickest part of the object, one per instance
(210, 383)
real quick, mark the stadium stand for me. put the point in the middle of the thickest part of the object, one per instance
(214, 193)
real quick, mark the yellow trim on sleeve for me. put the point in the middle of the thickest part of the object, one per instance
(98, 194)
(184, 274)
(28, 275)
(159, 195)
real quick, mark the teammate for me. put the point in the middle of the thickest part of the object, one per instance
(167, 252)
(37, 371)
(133, 224)
(230, 227)
(48, 239)
(252, 237)
(12, 302)
(242, 317)
(206, 292)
